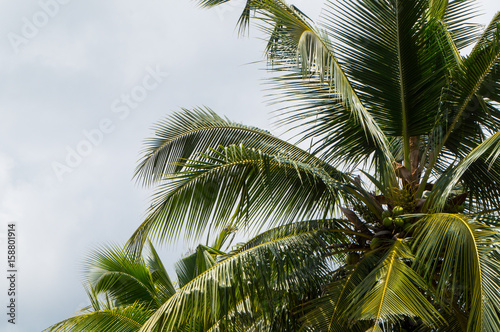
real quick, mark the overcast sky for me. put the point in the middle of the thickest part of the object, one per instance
(82, 82)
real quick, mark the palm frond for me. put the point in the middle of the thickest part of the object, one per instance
(393, 290)
(257, 278)
(237, 319)
(460, 253)
(461, 97)
(183, 135)
(328, 313)
(458, 19)
(490, 89)
(234, 185)
(377, 40)
(160, 275)
(126, 279)
(124, 319)
(481, 163)
(303, 58)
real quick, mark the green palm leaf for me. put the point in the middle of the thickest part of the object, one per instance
(458, 19)
(123, 319)
(127, 280)
(393, 290)
(271, 270)
(462, 252)
(235, 184)
(165, 286)
(183, 135)
(464, 112)
(305, 60)
(484, 156)
(377, 40)
(328, 312)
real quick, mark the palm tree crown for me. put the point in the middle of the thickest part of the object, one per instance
(402, 174)
(404, 131)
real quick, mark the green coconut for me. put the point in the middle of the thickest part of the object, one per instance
(397, 211)
(386, 214)
(387, 222)
(399, 222)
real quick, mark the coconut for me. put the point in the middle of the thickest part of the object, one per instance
(397, 211)
(387, 222)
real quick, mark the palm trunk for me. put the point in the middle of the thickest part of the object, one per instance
(414, 159)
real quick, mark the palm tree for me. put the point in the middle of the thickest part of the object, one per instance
(404, 136)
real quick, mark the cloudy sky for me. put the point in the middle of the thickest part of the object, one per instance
(82, 82)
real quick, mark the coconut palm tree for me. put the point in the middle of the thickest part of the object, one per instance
(399, 103)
